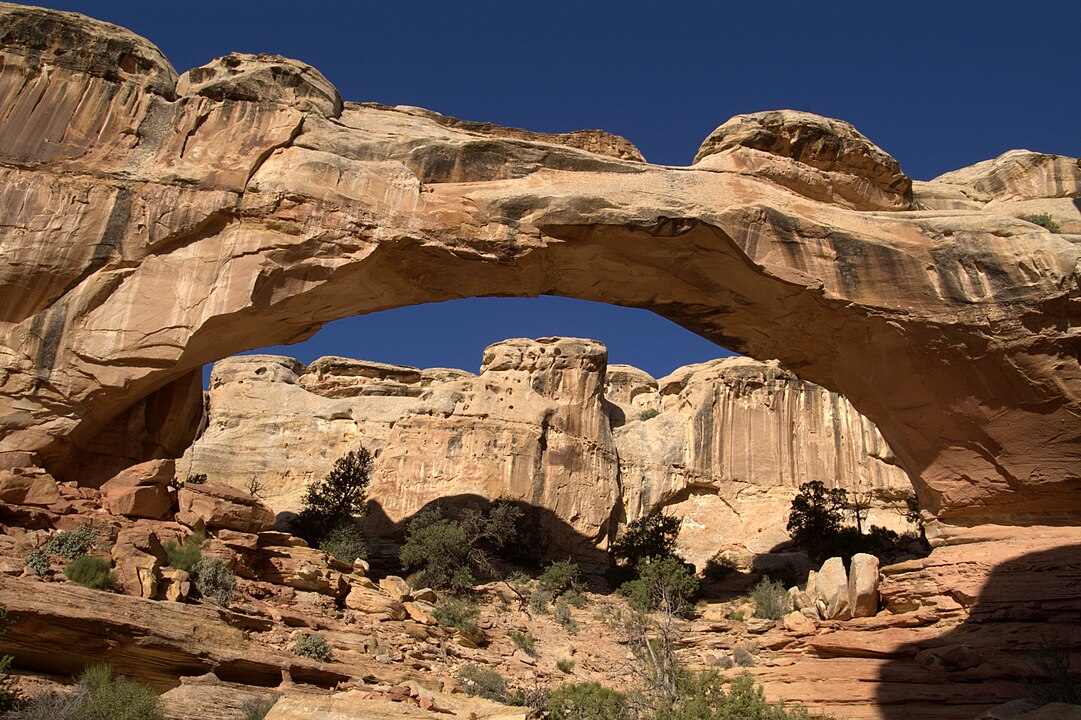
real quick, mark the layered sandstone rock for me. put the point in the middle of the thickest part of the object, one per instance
(724, 445)
(149, 229)
(531, 427)
(219, 506)
(823, 158)
(197, 222)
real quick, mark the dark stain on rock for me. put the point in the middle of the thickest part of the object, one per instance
(48, 327)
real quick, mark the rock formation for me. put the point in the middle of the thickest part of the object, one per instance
(724, 444)
(155, 223)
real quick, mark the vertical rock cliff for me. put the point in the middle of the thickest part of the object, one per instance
(724, 444)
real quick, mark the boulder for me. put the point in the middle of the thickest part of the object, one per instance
(138, 538)
(374, 603)
(863, 585)
(396, 587)
(176, 585)
(799, 624)
(139, 574)
(422, 612)
(1054, 711)
(154, 502)
(831, 588)
(28, 486)
(220, 506)
(149, 473)
(301, 568)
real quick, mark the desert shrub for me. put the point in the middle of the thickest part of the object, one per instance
(771, 599)
(111, 697)
(334, 501)
(562, 615)
(446, 552)
(186, 555)
(719, 567)
(559, 577)
(38, 562)
(646, 539)
(345, 542)
(574, 599)
(1053, 681)
(458, 614)
(665, 584)
(1043, 220)
(743, 655)
(215, 580)
(438, 549)
(881, 542)
(703, 697)
(71, 544)
(524, 642)
(313, 646)
(483, 682)
(50, 705)
(565, 666)
(736, 615)
(539, 602)
(257, 709)
(91, 571)
(587, 701)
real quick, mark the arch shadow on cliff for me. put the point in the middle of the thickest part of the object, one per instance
(543, 537)
(1022, 639)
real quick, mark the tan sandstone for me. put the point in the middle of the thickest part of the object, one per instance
(913, 315)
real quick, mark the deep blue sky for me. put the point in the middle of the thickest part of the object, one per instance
(939, 85)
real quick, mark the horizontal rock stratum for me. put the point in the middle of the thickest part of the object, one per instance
(154, 223)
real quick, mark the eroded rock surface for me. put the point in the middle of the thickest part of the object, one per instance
(724, 445)
(198, 225)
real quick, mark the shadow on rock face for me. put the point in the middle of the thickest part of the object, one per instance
(543, 535)
(1022, 637)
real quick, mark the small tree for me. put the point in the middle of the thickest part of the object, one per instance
(587, 701)
(665, 585)
(645, 540)
(446, 552)
(333, 501)
(816, 514)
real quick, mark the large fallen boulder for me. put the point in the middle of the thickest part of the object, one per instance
(220, 506)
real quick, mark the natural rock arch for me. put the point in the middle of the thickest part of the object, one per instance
(153, 225)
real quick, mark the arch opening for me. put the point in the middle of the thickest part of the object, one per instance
(555, 423)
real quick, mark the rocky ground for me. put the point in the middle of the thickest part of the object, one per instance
(891, 647)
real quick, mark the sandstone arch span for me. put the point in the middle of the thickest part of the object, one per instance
(155, 223)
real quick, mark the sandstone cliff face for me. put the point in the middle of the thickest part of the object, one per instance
(732, 442)
(531, 427)
(153, 225)
(724, 445)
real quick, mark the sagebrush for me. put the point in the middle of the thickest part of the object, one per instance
(313, 646)
(215, 580)
(71, 544)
